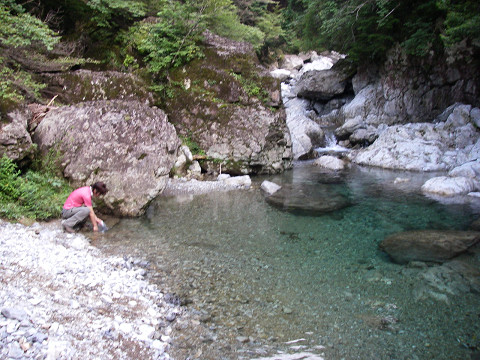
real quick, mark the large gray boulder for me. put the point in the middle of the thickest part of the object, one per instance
(401, 91)
(428, 245)
(128, 145)
(448, 186)
(321, 84)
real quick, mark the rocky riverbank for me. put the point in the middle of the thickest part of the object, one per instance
(61, 298)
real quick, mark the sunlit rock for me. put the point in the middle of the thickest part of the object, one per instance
(15, 141)
(269, 187)
(448, 186)
(330, 162)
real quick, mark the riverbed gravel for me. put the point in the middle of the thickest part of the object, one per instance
(61, 298)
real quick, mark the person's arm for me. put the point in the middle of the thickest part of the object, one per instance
(94, 219)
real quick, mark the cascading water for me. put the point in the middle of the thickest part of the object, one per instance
(331, 144)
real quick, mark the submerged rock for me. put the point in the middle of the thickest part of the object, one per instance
(428, 245)
(453, 278)
(308, 199)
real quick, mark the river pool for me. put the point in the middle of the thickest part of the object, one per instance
(263, 283)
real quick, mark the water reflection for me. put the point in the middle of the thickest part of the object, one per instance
(259, 277)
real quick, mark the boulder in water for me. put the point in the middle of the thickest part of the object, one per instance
(270, 187)
(308, 199)
(428, 245)
(330, 162)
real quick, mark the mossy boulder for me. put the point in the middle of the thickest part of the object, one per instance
(230, 106)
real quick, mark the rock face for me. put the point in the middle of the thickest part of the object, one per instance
(305, 133)
(428, 245)
(309, 78)
(74, 87)
(128, 145)
(401, 91)
(230, 107)
(426, 146)
(15, 141)
(361, 106)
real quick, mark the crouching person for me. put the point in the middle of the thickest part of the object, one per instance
(78, 207)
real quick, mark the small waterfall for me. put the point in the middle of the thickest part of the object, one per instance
(331, 145)
(330, 139)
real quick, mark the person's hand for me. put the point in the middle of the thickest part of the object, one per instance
(95, 227)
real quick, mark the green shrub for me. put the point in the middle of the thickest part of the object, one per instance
(34, 195)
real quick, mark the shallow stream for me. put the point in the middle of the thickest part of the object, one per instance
(263, 283)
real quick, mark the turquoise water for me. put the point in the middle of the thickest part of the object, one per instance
(263, 282)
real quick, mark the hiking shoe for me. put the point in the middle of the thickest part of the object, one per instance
(68, 229)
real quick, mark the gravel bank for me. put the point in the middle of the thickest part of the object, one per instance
(60, 298)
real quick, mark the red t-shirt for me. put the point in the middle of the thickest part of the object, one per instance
(79, 197)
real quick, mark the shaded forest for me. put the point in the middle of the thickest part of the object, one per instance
(152, 37)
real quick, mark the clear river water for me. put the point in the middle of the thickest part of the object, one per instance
(260, 282)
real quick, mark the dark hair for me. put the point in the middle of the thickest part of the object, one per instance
(100, 187)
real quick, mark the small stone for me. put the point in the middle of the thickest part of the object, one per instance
(242, 339)
(39, 337)
(158, 345)
(16, 314)
(146, 331)
(171, 316)
(15, 351)
(126, 328)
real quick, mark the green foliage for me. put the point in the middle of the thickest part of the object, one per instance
(35, 195)
(252, 86)
(16, 82)
(462, 21)
(367, 29)
(18, 28)
(115, 13)
(192, 145)
(221, 18)
(171, 40)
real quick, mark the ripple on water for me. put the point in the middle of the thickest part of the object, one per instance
(258, 277)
